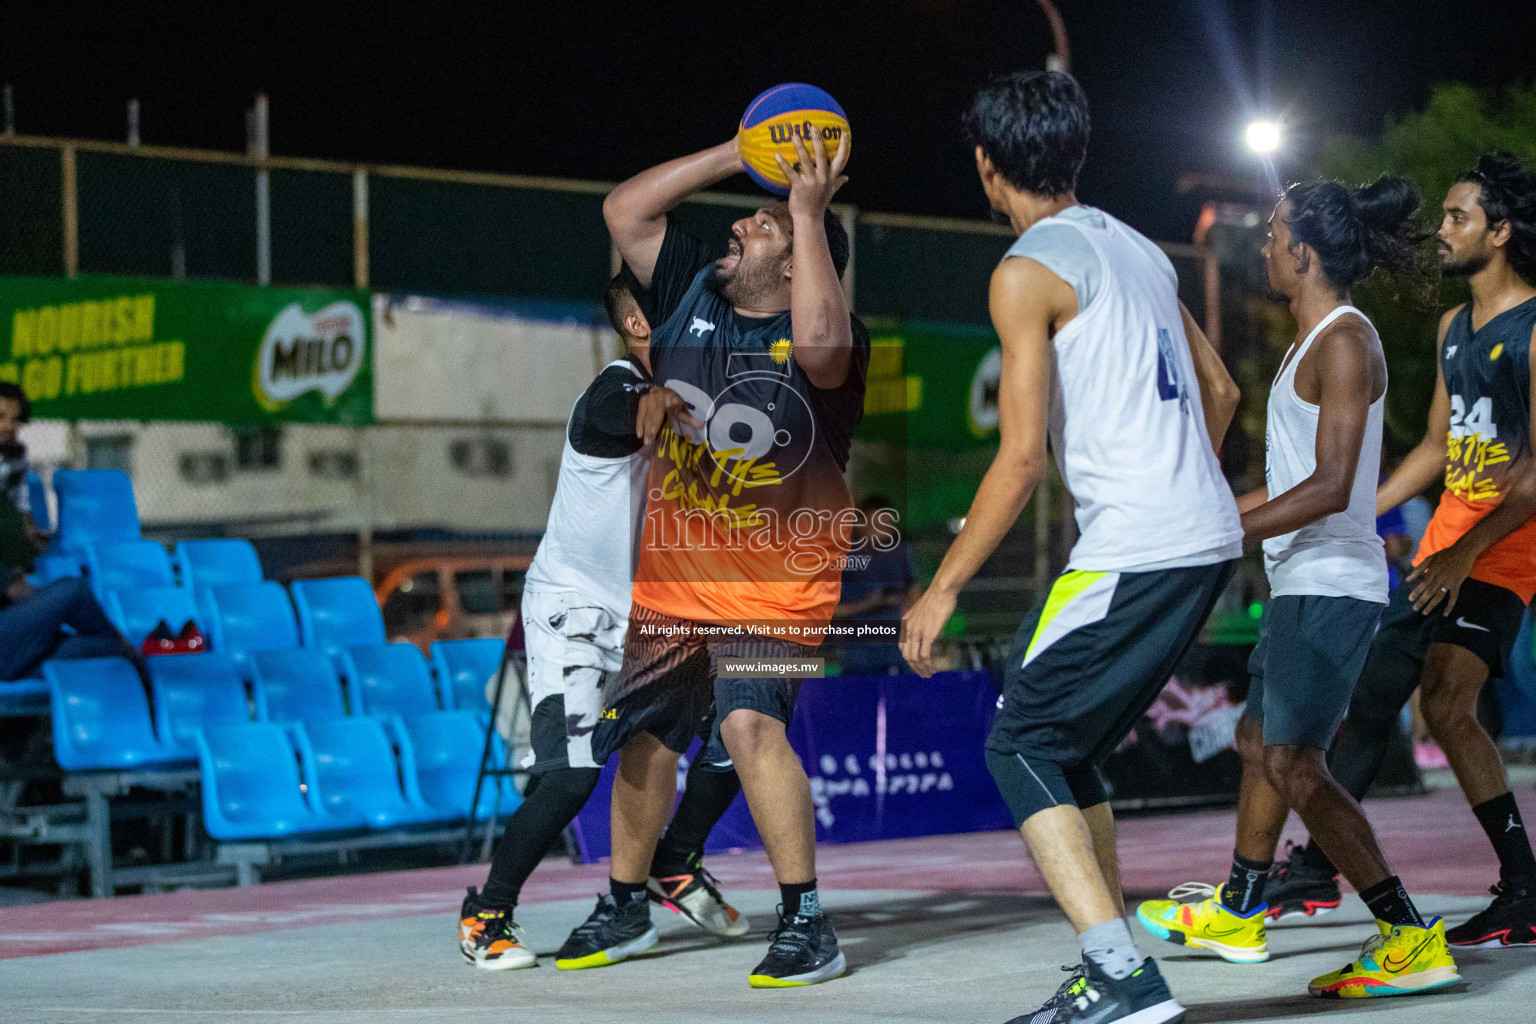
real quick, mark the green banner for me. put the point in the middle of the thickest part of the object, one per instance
(932, 385)
(149, 349)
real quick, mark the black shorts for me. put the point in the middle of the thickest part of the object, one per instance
(669, 687)
(1485, 621)
(1087, 663)
(1309, 656)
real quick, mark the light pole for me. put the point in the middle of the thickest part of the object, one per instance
(1061, 59)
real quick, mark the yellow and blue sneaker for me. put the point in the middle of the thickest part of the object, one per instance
(1193, 915)
(1401, 961)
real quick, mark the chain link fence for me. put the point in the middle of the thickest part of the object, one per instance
(320, 499)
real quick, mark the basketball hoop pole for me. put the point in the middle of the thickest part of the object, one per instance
(1061, 59)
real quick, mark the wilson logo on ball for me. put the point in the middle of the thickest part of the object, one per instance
(776, 119)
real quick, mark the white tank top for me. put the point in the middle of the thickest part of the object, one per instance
(1126, 423)
(1340, 555)
(593, 532)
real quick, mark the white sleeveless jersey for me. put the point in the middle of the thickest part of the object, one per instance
(1126, 422)
(593, 533)
(1340, 555)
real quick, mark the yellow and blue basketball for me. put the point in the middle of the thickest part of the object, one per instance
(776, 118)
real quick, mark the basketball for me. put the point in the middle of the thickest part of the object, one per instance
(776, 118)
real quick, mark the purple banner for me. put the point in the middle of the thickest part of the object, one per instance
(888, 757)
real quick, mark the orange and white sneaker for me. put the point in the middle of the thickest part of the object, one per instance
(490, 939)
(696, 896)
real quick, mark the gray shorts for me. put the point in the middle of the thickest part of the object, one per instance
(1310, 653)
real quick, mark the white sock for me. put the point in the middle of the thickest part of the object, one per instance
(1110, 946)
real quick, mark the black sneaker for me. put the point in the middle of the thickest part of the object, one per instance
(1093, 997)
(801, 951)
(611, 934)
(490, 939)
(1076, 980)
(1296, 888)
(1510, 920)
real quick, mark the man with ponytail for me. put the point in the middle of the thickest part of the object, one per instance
(1453, 622)
(1315, 518)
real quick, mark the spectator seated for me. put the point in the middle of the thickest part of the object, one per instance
(95, 506)
(252, 788)
(296, 684)
(389, 679)
(101, 717)
(338, 613)
(213, 563)
(192, 692)
(351, 765)
(62, 620)
(464, 667)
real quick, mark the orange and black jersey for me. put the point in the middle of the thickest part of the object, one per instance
(1487, 375)
(748, 517)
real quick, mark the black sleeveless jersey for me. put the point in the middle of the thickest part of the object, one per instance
(1488, 378)
(743, 515)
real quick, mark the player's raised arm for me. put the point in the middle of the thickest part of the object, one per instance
(1025, 299)
(1219, 393)
(636, 211)
(818, 307)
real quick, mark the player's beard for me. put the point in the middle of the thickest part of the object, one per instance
(750, 280)
(1464, 267)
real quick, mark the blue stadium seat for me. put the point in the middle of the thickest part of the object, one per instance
(246, 617)
(464, 666)
(213, 563)
(439, 756)
(127, 565)
(95, 506)
(351, 765)
(54, 565)
(389, 679)
(296, 684)
(136, 611)
(191, 692)
(337, 613)
(37, 502)
(252, 788)
(101, 716)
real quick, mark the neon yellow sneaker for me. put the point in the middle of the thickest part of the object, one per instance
(1193, 915)
(1401, 961)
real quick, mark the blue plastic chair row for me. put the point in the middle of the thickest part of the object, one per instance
(260, 780)
(298, 683)
(101, 718)
(252, 788)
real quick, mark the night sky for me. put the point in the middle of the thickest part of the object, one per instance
(596, 91)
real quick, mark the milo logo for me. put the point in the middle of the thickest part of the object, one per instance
(309, 352)
(985, 386)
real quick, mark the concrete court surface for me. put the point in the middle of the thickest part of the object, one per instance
(937, 929)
